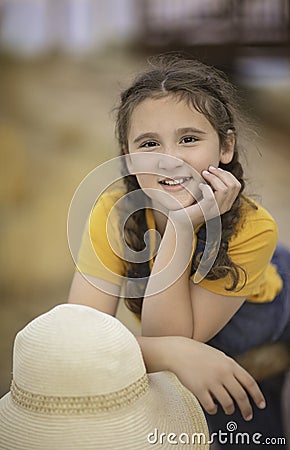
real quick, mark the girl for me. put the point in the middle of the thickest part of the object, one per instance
(182, 117)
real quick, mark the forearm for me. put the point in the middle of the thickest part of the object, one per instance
(154, 352)
(167, 306)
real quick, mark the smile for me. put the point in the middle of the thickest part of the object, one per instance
(174, 181)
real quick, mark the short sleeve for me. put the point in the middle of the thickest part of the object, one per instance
(100, 254)
(251, 249)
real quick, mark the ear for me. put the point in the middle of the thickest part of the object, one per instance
(228, 148)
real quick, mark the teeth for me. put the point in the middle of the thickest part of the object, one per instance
(174, 182)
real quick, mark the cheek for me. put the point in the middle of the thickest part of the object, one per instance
(145, 181)
(204, 161)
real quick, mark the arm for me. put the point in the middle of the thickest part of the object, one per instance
(205, 371)
(171, 311)
(211, 311)
(179, 310)
(84, 293)
(208, 373)
(168, 311)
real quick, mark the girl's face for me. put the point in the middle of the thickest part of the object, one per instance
(174, 138)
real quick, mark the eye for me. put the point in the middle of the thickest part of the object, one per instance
(188, 140)
(149, 144)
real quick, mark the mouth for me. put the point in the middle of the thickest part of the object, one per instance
(178, 181)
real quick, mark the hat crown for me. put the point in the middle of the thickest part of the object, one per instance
(75, 350)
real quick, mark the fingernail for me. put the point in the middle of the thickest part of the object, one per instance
(212, 168)
(262, 404)
(205, 172)
(249, 417)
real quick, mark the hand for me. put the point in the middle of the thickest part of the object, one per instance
(225, 187)
(212, 376)
(218, 196)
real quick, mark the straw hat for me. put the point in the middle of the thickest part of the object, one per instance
(79, 382)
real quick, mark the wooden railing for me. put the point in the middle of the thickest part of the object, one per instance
(207, 22)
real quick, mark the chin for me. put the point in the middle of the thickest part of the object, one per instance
(176, 207)
(178, 203)
(183, 201)
(172, 202)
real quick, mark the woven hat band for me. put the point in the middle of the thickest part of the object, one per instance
(79, 405)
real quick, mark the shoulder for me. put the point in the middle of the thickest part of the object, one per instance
(104, 205)
(100, 254)
(255, 239)
(105, 217)
(254, 210)
(250, 248)
(107, 200)
(254, 221)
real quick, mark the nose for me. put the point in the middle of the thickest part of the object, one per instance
(168, 162)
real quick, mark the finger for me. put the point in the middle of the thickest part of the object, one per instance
(216, 183)
(251, 386)
(240, 396)
(226, 187)
(224, 399)
(207, 192)
(227, 177)
(208, 205)
(207, 402)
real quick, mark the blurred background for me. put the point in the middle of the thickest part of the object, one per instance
(62, 65)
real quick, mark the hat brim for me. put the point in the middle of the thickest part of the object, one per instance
(168, 408)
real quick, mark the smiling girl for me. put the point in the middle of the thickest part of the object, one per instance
(181, 119)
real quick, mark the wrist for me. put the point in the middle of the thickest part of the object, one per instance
(185, 236)
(179, 222)
(156, 352)
(188, 218)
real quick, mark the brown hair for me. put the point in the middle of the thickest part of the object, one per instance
(209, 92)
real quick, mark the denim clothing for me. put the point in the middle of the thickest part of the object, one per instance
(255, 324)
(259, 323)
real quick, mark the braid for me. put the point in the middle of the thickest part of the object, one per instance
(134, 231)
(223, 265)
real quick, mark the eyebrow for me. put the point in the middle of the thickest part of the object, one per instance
(146, 136)
(178, 132)
(190, 130)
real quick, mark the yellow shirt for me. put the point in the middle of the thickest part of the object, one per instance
(251, 247)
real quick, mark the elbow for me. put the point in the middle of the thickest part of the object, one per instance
(202, 336)
(198, 337)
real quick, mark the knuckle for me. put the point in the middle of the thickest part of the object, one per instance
(231, 363)
(229, 411)
(247, 412)
(250, 382)
(211, 409)
(233, 186)
(228, 406)
(241, 397)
